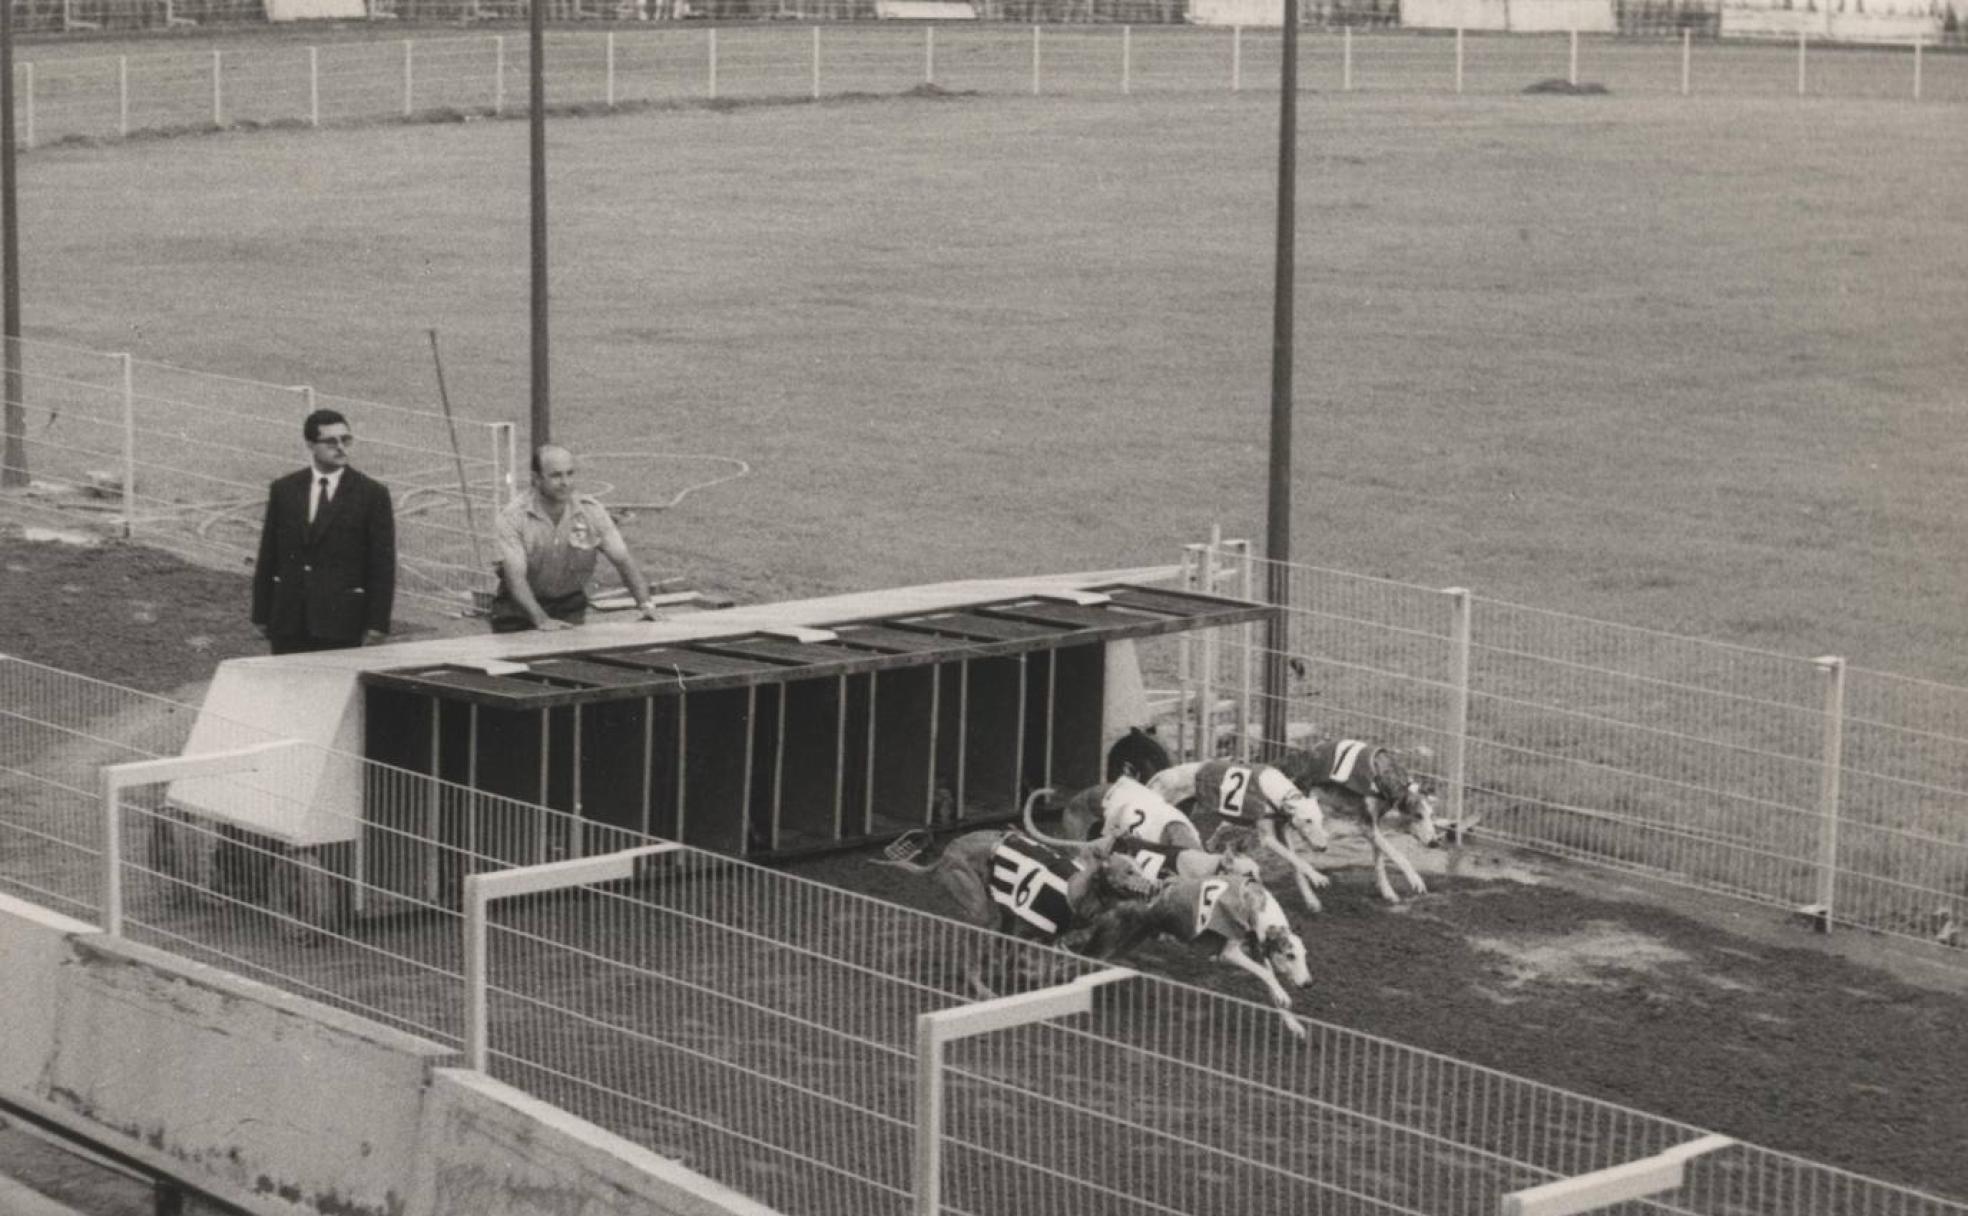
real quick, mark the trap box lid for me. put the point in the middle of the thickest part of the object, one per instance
(315, 697)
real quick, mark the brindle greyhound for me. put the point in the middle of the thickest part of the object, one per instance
(1006, 881)
(1367, 784)
(1252, 801)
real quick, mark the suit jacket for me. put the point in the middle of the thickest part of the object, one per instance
(336, 578)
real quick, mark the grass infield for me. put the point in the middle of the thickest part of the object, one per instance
(1687, 363)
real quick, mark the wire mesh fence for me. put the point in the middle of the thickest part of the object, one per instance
(764, 1030)
(181, 459)
(68, 93)
(1790, 781)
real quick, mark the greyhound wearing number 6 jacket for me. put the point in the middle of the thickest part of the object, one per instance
(1009, 882)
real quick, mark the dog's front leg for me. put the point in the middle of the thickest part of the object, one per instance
(1383, 851)
(1233, 953)
(1304, 875)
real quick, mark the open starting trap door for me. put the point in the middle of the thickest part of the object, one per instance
(776, 743)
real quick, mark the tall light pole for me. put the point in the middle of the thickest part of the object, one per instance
(13, 453)
(537, 157)
(1277, 530)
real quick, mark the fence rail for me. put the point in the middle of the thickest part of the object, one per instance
(65, 96)
(180, 459)
(764, 1030)
(1789, 781)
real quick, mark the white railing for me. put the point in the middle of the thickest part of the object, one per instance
(1788, 780)
(76, 95)
(181, 459)
(769, 1032)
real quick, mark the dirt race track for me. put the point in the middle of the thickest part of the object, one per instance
(1852, 1051)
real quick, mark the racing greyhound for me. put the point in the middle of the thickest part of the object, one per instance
(1238, 916)
(1122, 807)
(1156, 861)
(1366, 784)
(1253, 800)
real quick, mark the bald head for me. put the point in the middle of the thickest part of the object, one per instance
(553, 473)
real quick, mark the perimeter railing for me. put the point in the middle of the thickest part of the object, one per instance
(1798, 782)
(181, 460)
(68, 93)
(771, 1033)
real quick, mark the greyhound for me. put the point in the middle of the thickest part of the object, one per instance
(1137, 754)
(1253, 800)
(1007, 881)
(1366, 784)
(1238, 916)
(1123, 807)
(1155, 861)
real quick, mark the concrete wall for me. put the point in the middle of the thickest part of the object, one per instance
(281, 1105)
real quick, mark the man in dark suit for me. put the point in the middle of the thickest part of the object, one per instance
(326, 575)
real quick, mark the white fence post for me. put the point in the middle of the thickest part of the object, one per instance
(1236, 58)
(1829, 776)
(609, 50)
(27, 110)
(115, 778)
(816, 63)
(123, 94)
(1801, 37)
(942, 1026)
(1458, 61)
(314, 86)
(1687, 60)
(481, 889)
(1035, 61)
(1127, 59)
(218, 89)
(1917, 41)
(409, 78)
(1346, 59)
(505, 459)
(929, 54)
(1666, 1171)
(1461, 618)
(498, 74)
(1246, 670)
(1212, 650)
(711, 85)
(129, 446)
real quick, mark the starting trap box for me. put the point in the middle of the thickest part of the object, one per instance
(765, 732)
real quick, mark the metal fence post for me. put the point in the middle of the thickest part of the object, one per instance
(314, 86)
(711, 86)
(1127, 59)
(27, 108)
(505, 459)
(498, 74)
(409, 78)
(1035, 61)
(1247, 670)
(112, 851)
(123, 95)
(1185, 651)
(477, 1049)
(1236, 58)
(942, 1026)
(1687, 59)
(1346, 59)
(1461, 612)
(609, 50)
(816, 63)
(218, 89)
(129, 447)
(1833, 761)
(1206, 698)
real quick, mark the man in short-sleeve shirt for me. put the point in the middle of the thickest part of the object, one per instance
(548, 539)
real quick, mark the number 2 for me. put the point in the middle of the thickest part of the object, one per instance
(1236, 783)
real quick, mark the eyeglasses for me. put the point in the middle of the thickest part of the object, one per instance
(339, 441)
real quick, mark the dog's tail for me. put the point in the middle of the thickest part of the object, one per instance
(1032, 827)
(905, 852)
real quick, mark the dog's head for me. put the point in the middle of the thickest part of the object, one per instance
(1308, 818)
(1238, 864)
(1280, 948)
(1418, 804)
(1121, 877)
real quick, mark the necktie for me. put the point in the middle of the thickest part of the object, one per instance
(320, 498)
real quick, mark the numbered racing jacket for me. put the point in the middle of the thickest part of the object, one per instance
(1029, 882)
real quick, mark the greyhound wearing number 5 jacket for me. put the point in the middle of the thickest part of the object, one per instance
(1237, 916)
(1252, 800)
